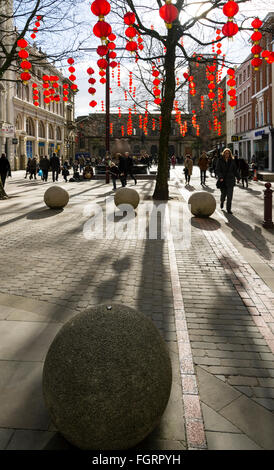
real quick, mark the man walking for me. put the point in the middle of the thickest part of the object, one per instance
(44, 166)
(4, 168)
(129, 167)
(55, 166)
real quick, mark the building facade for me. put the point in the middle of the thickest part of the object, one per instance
(143, 135)
(27, 130)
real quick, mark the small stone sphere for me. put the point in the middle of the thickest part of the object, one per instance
(127, 196)
(203, 204)
(56, 197)
(107, 378)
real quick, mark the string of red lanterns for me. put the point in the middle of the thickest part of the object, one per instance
(101, 29)
(25, 64)
(168, 13)
(35, 94)
(256, 49)
(130, 32)
(211, 86)
(72, 77)
(230, 9)
(232, 91)
(91, 90)
(37, 25)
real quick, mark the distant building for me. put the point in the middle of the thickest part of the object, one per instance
(142, 136)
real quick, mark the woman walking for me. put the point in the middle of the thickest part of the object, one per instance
(188, 168)
(203, 165)
(227, 171)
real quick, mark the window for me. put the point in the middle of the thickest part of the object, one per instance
(58, 134)
(261, 79)
(237, 125)
(30, 127)
(256, 116)
(41, 130)
(244, 76)
(18, 123)
(244, 97)
(248, 94)
(244, 124)
(240, 79)
(27, 92)
(19, 90)
(248, 71)
(51, 133)
(249, 122)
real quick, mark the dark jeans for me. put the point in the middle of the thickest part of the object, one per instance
(114, 178)
(55, 174)
(45, 175)
(123, 179)
(227, 193)
(32, 173)
(3, 178)
(129, 172)
(203, 176)
(245, 180)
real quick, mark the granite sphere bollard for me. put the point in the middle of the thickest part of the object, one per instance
(127, 196)
(107, 378)
(56, 197)
(202, 203)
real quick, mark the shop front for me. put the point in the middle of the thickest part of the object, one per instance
(262, 149)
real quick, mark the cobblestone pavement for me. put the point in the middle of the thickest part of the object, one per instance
(212, 303)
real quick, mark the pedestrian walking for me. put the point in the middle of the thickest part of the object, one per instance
(55, 167)
(114, 173)
(27, 167)
(82, 163)
(129, 167)
(227, 172)
(4, 168)
(44, 166)
(173, 161)
(65, 172)
(188, 168)
(33, 168)
(237, 163)
(203, 165)
(122, 166)
(244, 171)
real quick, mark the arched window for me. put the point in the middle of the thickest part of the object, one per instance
(51, 133)
(58, 134)
(30, 127)
(18, 123)
(41, 130)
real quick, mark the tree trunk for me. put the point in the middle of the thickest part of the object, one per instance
(161, 188)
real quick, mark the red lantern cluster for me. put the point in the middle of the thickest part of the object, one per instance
(168, 13)
(230, 9)
(65, 92)
(191, 84)
(37, 25)
(211, 78)
(256, 48)
(91, 89)
(102, 29)
(231, 82)
(35, 94)
(122, 131)
(202, 102)
(130, 82)
(219, 44)
(25, 64)
(129, 123)
(156, 82)
(119, 75)
(268, 56)
(72, 77)
(129, 20)
(50, 85)
(140, 41)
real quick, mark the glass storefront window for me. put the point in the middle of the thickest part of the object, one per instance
(29, 148)
(261, 152)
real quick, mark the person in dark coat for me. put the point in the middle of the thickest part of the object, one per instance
(122, 166)
(33, 168)
(44, 166)
(55, 166)
(114, 173)
(129, 167)
(4, 168)
(227, 171)
(244, 171)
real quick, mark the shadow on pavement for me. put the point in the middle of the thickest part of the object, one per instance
(212, 224)
(245, 234)
(44, 213)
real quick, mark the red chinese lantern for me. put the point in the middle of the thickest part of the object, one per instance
(111, 37)
(130, 32)
(102, 30)
(23, 54)
(100, 8)
(230, 9)
(25, 65)
(157, 101)
(230, 29)
(102, 50)
(70, 61)
(257, 36)
(232, 103)
(90, 71)
(129, 18)
(112, 55)
(111, 46)
(71, 69)
(131, 46)
(92, 81)
(92, 91)
(256, 63)
(103, 81)
(256, 24)
(93, 103)
(102, 63)
(113, 64)
(22, 43)
(168, 13)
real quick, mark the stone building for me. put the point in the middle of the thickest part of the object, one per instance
(142, 137)
(25, 129)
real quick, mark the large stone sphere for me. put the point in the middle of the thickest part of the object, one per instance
(56, 197)
(107, 378)
(203, 204)
(127, 196)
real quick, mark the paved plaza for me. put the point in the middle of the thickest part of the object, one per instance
(212, 301)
